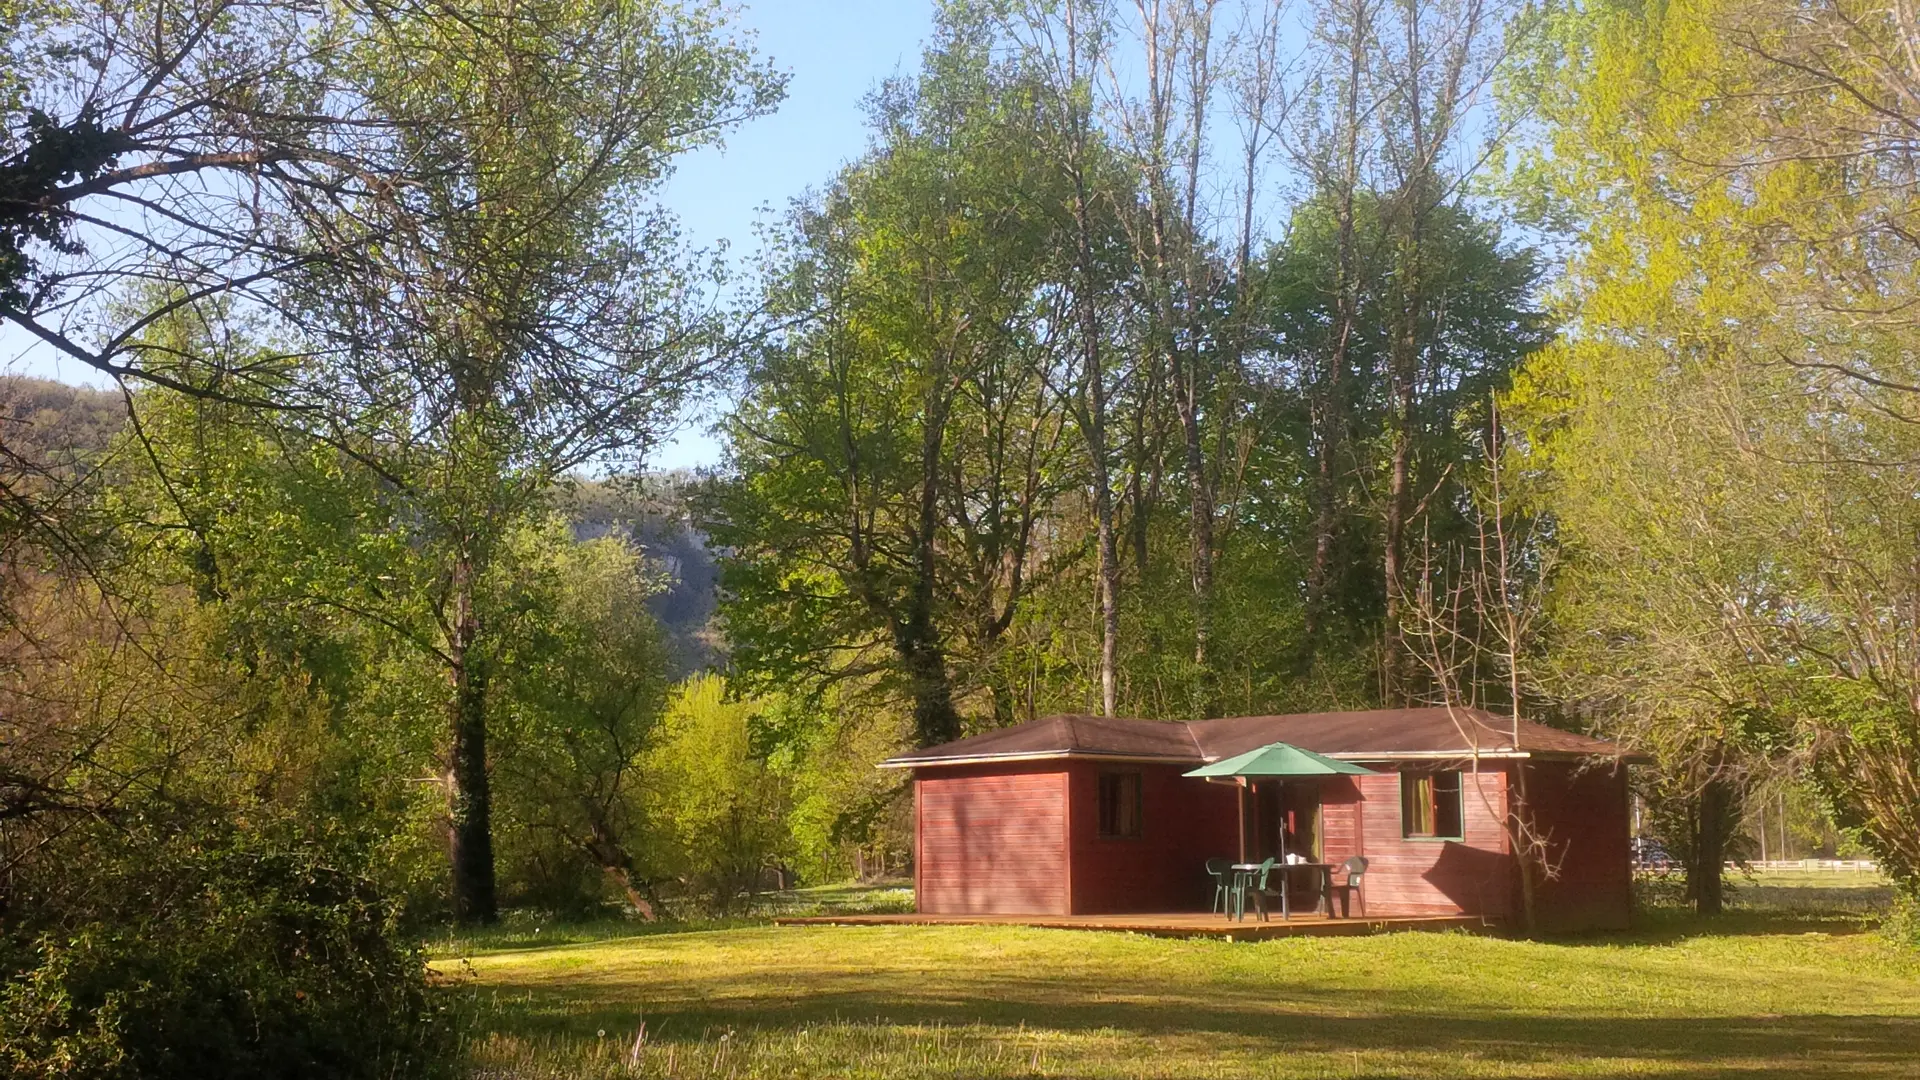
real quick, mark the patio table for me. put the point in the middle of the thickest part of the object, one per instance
(1323, 886)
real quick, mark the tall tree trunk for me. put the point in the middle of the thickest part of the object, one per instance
(1704, 877)
(1328, 415)
(1393, 690)
(1200, 491)
(1404, 352)
(1196, 273)
(1093, 421)
(935, 720)
(917, 639)
(470, 809)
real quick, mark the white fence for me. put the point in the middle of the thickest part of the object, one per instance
(1811, 864)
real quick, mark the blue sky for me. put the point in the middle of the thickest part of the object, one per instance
(836, 52)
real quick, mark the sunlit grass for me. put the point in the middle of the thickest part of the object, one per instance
(1862, 891)
(1751, 995)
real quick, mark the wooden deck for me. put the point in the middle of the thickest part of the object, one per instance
(1172, 924)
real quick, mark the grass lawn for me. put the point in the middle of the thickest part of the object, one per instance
(1753, 994)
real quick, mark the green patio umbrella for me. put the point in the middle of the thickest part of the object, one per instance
(1279, 760)
(1274, 761)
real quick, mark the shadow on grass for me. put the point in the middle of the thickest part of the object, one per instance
(528, 935)
(520, 930)
(1687, 1046)
(1670, 926)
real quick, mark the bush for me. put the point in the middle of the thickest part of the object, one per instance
(1902, 923)
(718, 813)
(1655, 891)
(209, 960)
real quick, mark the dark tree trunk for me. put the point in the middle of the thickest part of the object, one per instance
(1704, 878)
(1200, 507)
(1094, 427)
(1393, 690)
(916, 638)
(470, 809)
(935, 720)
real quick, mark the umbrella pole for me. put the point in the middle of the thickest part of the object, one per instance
(1241, 790)
(1283, 821)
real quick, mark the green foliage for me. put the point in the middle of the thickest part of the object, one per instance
(1724, 442)
(190, 950)
(584, 689)
(846, 816)
(896, 444)
(717, 812)
(1902, 924)
(913, 515)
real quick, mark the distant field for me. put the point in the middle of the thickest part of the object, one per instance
(1810, 890)
(1826, 879)
(1753, 994)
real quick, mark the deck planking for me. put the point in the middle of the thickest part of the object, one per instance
(1171, 924)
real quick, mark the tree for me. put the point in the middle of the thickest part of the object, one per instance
(895, 444)
(157, 156)
(1332, 146)
(1730, 431)
(1067, 53)
(531, 313)
(1473, 621)
(1484, 286)
(582, 699)
(718, 812)
(1165, 133)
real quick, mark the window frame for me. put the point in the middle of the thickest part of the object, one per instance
(1120, 776)
(1460, 803)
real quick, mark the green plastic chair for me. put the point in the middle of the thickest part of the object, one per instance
(1356, 868)
(1221, 870)
(1258, 885)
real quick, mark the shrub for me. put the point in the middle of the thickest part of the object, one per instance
(209, 959)
(1654, 891)
(1902, 923)
(719, 814)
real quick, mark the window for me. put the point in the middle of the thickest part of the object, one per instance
(1120, 806)
(1430, 805)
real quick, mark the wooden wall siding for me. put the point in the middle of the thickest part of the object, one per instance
(1183, 823)
(991, 840)
(1343, 829)
(1586, 818)
(1471, 876)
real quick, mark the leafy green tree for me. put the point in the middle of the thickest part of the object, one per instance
(1483, 322)
(582, 697)
(894, 450)
(1727, 432)
(531, 311)
(717, 813)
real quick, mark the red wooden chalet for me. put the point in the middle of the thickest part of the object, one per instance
(1086, 815)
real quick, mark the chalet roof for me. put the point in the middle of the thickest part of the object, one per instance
(1371, 735)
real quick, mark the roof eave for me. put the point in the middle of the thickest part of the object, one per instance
(1039, 755)
(1433, 755)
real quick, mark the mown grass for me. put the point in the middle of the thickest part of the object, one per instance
(1752, 994)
